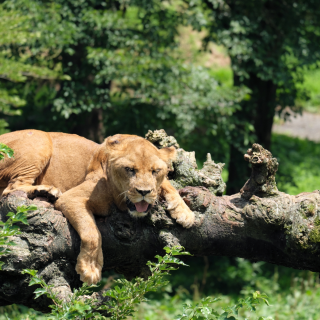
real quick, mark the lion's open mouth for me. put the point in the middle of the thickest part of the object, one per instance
(142, 206)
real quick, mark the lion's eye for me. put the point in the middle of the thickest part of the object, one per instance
(130, 170)
(155, 172)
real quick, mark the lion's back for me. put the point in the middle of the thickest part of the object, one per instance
(68, 165)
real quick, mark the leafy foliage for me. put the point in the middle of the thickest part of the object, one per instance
(293, 294)
(5, 151)
(261, 48)
(311, 85)
(115, 62)
(74, 308)
(203, 309)
(124, 297)
(19, 60)
(270, 44)
(127, 295)
(298, 164)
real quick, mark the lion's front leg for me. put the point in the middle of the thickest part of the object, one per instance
(90, 260)
(176, 206)
(74, 205)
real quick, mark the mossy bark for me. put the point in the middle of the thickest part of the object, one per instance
(260, 223)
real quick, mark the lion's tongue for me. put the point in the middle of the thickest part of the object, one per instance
(141, 206)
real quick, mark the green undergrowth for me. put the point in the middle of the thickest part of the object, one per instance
(126, 298)
(223, 75)
(312, 85)
(298, 164)
(293, 294)
(296, 305)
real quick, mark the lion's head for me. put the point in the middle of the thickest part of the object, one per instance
(136, 170)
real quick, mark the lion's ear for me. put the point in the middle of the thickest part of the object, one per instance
(113, 140)
(168, 154)
(118, 139)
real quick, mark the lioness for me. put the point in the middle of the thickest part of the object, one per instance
(87, 178)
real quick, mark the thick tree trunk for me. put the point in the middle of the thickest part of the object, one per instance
(265, 93)
(259, 223)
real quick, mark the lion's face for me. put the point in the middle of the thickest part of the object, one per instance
(137, 169)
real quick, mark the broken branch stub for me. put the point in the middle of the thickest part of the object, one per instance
(262, 182)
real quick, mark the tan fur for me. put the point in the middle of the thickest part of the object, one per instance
(88, 178)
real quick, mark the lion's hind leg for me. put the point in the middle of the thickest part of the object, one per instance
(32, 153)
(24, 182)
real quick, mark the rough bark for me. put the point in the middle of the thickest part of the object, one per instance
(259, 223)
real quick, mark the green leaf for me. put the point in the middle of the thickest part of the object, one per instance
(39, 292)
(35, 280)
(29, 271)
(11, 243)
(31, 208)
(206, 311)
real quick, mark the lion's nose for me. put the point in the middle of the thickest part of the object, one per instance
(143, 192)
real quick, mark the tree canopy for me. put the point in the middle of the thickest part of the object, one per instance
(115, 66)
(96, 68)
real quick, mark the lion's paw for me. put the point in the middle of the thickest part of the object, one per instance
(49, 192)
(89, 269)
(183, 215)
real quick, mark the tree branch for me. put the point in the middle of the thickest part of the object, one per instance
(259, 223)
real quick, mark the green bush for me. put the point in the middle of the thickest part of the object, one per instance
(126, 295)
(312, 85)
(298, 164)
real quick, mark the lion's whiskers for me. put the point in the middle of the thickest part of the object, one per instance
(124, 195)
